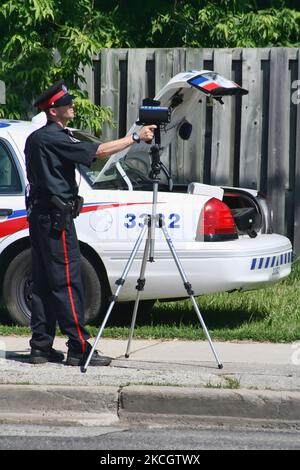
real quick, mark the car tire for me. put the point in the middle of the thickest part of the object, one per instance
(17, 289)
(94, 292)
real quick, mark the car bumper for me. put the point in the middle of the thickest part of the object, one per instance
(243, 264)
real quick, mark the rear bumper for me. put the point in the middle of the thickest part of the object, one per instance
(243, 264)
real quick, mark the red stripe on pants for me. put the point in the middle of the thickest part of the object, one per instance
(70, 291)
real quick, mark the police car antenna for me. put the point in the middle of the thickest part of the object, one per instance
(151, 113)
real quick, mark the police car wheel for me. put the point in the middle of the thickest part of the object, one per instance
(93, 291)
(17, 289)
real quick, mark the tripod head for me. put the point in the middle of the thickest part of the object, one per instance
(155, 162)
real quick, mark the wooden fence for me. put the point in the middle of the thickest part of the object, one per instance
(251, 142)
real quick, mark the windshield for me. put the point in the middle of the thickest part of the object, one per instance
(136, 166)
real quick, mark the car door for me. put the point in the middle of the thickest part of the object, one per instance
(12, 186)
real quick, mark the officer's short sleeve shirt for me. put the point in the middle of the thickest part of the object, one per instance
(51, 156)
(67, 147)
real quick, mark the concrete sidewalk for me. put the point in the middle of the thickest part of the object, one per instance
(160, 380)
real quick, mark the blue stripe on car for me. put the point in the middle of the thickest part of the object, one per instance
(253, 263)
(271, 262)
(19, 213)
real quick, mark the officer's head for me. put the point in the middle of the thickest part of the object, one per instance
(56, 102)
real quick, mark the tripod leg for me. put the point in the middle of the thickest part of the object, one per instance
(140, 286)
(189, 290)
(153, 221)
(120, 282)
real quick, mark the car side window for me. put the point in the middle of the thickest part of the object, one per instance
(10, 182)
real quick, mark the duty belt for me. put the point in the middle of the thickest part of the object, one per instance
(61, 211)
(56, 202)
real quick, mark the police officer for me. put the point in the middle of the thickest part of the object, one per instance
(51, 155)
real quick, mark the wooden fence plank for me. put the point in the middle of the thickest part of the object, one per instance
(278, 150)
(221, 158)
(163, 73)
(88, 74)
(297, 170)
(194, 147)
(110, 89)
(251, 123)
(136, 86)
(177, 146)
(163, 67)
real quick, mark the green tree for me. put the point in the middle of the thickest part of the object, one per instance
(228, 23)
(44, 40)
(206, 23)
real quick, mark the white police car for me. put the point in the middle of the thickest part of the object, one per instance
(222, 236)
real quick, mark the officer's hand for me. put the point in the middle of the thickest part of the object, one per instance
(147, 133)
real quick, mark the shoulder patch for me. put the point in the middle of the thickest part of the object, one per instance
(73, 139)
(70, 134)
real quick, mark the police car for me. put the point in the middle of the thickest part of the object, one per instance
(223, 236)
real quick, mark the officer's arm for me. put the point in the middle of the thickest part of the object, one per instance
(114, 146)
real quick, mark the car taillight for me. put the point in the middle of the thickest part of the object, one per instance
(216, 222)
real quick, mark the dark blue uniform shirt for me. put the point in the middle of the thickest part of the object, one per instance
(51, 155)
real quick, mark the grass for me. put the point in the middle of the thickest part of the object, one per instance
(271, 314)
(231, 383)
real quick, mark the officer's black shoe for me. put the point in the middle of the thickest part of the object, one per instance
(37, 356)
(79, 359)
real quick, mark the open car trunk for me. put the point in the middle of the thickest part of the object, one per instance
(249, 207)
(250, 211)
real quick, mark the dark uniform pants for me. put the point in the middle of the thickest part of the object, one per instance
(57, 285)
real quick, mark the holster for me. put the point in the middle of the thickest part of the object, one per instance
(61, 214)
(77, 206)
(64, 212)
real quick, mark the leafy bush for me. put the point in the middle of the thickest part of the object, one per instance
(227, 23)
(45, 40)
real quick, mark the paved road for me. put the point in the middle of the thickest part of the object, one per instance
(19, 437)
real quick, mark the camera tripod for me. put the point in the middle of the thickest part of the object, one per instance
(150, 224)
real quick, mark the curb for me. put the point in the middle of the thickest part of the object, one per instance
(139, 402)
(59, 404)
(105, 405)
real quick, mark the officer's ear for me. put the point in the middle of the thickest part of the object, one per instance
(51, 112)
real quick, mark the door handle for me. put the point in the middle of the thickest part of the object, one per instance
(5, 212)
